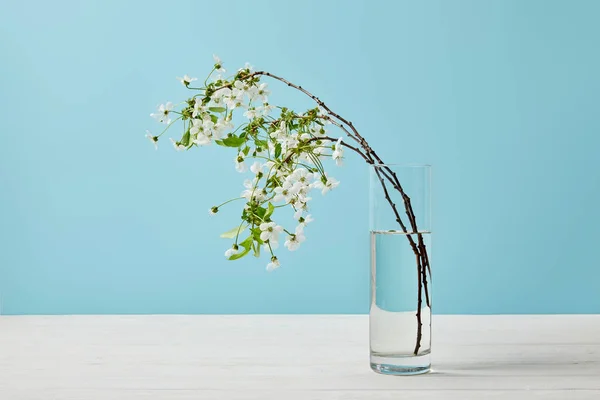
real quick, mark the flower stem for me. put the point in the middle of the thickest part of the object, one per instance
(168, 126)
(229, 201)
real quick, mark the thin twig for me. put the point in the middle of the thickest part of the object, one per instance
(420, 268)
(419, 306)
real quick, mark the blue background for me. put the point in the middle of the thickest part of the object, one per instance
(500, 96)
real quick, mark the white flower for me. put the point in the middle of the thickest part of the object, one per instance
(301, 190)
(197, 127)
(224, 96)
(178, 146)
(338, 153)
(240, 165)
(199, 109)
(222, 125)
(218, 101)
(198, 134)
(294, 241)
(302, 175)
(251, 92)
(186, 80)
(202, 140)
(248, 67)
(302, 204)
(204, 132)
(251, 113)
(303, 221)
(249, 184)
(271, 147)
(265, 109)
(209, 127)
(270, 231)
(163, 113)
(273, 265)
(218, 64)
(261, 195)
(301, 183)
(221, 96)
(330, 183)
(233, 250)
(252, 192)
(291, 141)
(262, 93)
(220, 93)
(256, 167)
(239, 89)
(247, 194)
(280, 133)
(233, 101)
(153, 139)
(284, 192)
(258, 93)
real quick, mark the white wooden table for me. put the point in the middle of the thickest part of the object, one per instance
(291, 357)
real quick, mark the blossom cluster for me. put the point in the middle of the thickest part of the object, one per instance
(282, 150)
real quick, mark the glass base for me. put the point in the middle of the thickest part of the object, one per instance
(401, 365)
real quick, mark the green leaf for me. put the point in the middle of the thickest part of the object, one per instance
(261, 143)
(234, 232)
(256, 235)
(185, 140)
(277, 150)
(269, 212)
(240, 255)
(231, 141)
(217, 109)
(260, 212)
(247, 243)
(213, 118)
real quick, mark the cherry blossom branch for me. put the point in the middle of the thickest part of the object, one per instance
(257, 213)
(371, 157)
